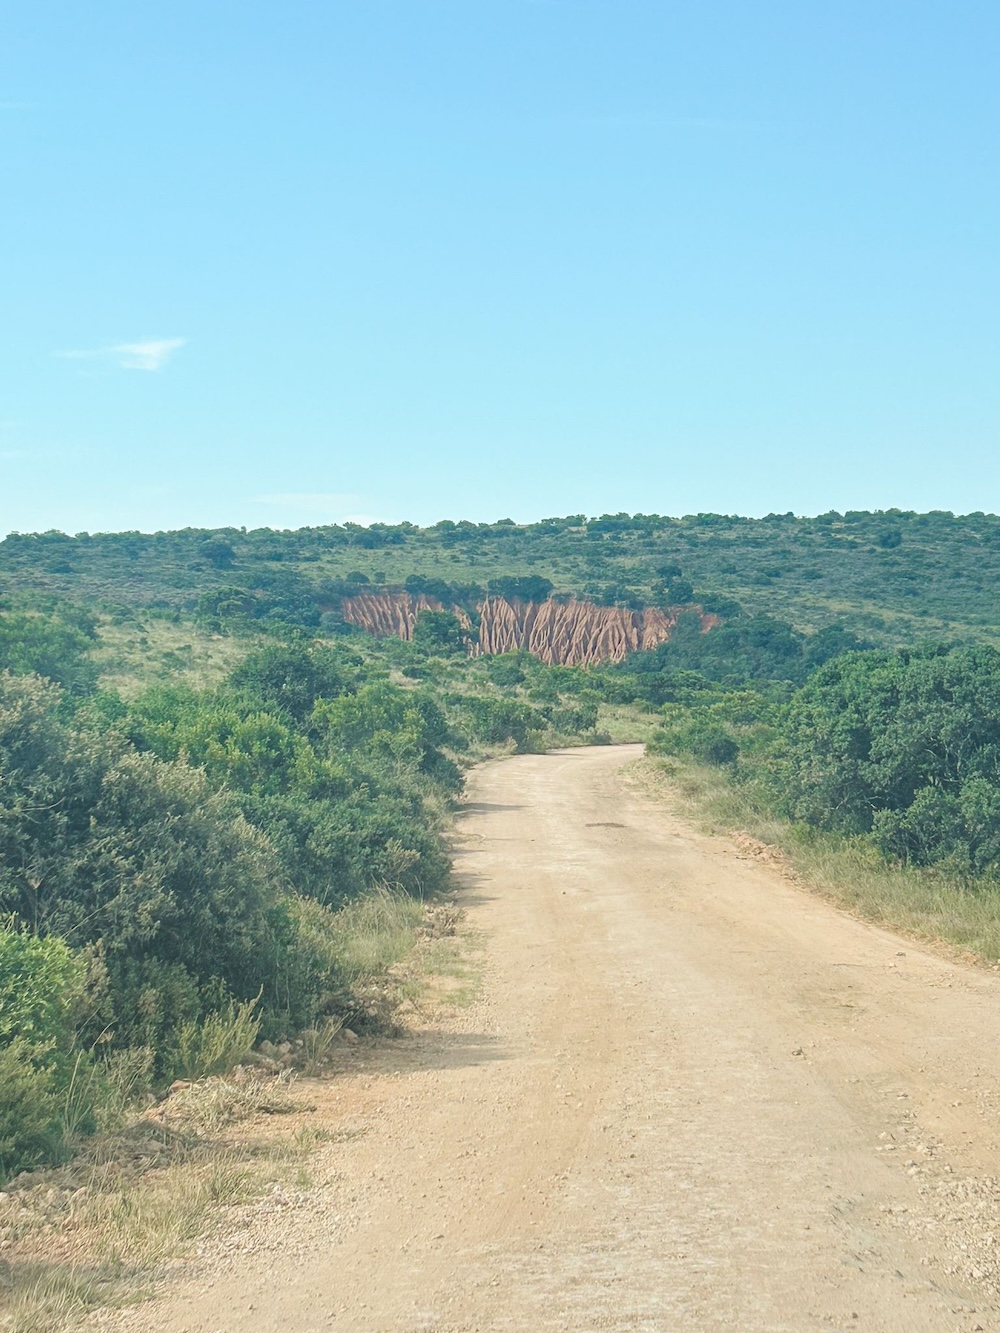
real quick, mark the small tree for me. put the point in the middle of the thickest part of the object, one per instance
(441, 632)
(218, 552)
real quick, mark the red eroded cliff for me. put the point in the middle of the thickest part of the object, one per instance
(572, 633)
(560, 632)
(392, 613)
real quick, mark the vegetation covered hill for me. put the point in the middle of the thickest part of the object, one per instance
(206, 772)
(888, 575)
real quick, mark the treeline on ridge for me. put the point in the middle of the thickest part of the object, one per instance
(887, 574)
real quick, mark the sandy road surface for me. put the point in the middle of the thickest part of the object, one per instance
(692, 1097)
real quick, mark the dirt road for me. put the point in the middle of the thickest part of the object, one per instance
(691, 1097)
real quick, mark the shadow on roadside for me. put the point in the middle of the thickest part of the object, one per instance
(484, 808)
(421, 1048)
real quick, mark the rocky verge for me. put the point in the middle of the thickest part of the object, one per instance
(563, 632)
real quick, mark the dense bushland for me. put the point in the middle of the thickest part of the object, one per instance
(748, 650)
(56, 646)
(173, 897)
(185, 856)
(899, 749)
(342, 783)
(904, 747)
(186, 869)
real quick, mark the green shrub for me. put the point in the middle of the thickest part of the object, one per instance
(574, 718)
(30, 1106)
(903, 745)
(42, 986)
(216, 1042)
(508, 669)
(494, 721)
(290, 678)
(702, 738)
(49, 646)
(440, 632)
(48, 1091)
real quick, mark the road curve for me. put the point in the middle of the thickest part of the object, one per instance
(691, 1097)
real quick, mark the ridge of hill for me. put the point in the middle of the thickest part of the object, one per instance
(888, 574)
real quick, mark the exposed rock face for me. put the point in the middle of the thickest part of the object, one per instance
(560, 632)
(571, 633)
(392, 613)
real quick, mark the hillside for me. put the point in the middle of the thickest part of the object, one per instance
(890, 575)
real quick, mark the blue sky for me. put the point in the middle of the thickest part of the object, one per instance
(284, 264)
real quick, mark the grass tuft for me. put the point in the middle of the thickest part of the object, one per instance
(317, 1043)
(216, 1042)
(207, 1107)
(376, 931)
(39, 1297)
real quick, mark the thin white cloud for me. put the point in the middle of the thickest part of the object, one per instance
(152, 354)
(149, 354)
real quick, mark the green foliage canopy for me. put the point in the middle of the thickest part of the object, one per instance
(905, 745)
(50, 646)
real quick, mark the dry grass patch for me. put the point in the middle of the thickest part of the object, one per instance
(624, 724)
(210, 1106)
(97, 1231)
(131, 657)
(44, 1297)
(445, 968)
(377, 931)
(451, 975)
